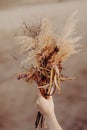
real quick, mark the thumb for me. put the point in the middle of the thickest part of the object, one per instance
(50, 98)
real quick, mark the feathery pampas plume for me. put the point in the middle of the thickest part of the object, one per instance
(45, 53)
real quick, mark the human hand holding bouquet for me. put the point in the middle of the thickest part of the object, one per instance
(44, 55)
(46, 107)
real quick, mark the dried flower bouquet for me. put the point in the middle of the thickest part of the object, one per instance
(45, 54)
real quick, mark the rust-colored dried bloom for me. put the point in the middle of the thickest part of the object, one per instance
(45, 53)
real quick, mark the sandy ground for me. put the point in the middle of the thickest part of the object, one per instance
(17, 99)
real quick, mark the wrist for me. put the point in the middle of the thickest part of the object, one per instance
(50, 115)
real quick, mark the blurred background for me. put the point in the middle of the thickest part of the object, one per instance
(17, 98)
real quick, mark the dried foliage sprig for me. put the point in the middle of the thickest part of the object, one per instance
(45, 54)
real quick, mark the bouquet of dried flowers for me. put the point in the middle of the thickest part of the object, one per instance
(45, 54)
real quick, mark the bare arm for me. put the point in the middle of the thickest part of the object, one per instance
(46, 107)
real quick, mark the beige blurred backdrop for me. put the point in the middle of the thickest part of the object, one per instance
(17, 98)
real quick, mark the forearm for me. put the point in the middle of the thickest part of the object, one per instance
(52, 122)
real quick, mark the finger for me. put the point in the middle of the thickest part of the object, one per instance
(50, 98)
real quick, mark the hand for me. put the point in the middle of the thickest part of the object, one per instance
(45, 106)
